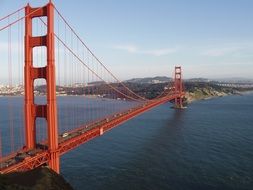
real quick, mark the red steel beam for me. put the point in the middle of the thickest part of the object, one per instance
(29, 163)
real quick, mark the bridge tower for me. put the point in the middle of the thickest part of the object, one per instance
(178, 87)
(49, 110)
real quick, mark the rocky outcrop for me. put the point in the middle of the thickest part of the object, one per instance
(38, 179)
(205, 93)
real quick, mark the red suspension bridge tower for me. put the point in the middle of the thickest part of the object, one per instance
(49, 110)
(178, 87)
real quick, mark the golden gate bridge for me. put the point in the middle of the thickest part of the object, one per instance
(44, 51)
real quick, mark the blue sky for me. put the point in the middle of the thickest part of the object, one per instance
(208, 38)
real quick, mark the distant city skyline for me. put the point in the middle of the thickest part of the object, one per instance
(209, 39)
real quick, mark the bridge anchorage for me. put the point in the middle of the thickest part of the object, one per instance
(91, 80)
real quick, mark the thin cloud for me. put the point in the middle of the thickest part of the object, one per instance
(154, 52)
(160, 52)
(221, 51)
(227, 50)
(128, 48)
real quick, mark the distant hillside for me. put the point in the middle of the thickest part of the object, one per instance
(235, 80)
(150, 80)
(198, 80)
(162, 79)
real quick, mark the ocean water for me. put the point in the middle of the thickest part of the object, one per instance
(209, 145)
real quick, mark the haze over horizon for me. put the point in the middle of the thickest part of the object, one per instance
(209, 39)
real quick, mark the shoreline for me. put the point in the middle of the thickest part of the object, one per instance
(190, 98)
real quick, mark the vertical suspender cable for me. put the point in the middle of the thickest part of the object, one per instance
(10, 86)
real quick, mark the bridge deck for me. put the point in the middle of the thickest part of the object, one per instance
(29, 159)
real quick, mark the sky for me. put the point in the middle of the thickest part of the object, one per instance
(208, 38)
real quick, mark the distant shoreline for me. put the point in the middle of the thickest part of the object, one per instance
(191, 99)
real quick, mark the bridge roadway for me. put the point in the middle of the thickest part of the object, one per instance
(29, 159)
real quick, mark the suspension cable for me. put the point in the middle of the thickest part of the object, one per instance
(91, 70)
(3, 18)
(100, 62)
(14, 22)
